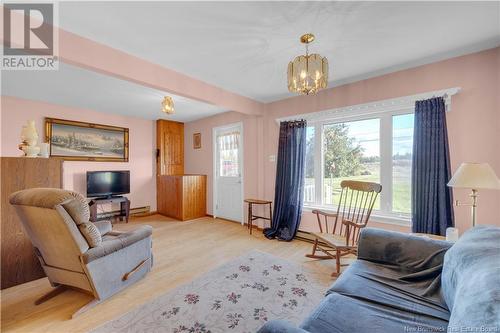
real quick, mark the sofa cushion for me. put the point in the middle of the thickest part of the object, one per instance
(114, 241)
(412, 252)
(344, 314)
(91, 234)
(401, 296)
(78, 209)
(393, 286)
(471, 279)
(279, 326)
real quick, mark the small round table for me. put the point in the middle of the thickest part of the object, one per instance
(252, 217)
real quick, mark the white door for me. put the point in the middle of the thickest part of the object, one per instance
(228, 175)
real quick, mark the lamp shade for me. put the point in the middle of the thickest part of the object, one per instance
(167, 105)
(475, 176)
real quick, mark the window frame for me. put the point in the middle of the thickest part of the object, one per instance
(385, 214)
(219, 153)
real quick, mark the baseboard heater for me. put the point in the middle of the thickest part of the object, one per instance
(137, 212)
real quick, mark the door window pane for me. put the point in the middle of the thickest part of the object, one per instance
(351, 151)
(228, 154)
(402, 146)
(309, 189)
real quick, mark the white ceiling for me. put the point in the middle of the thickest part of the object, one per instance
(77, 87)
(244, 47)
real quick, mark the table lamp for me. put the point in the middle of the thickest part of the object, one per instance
(475, 176)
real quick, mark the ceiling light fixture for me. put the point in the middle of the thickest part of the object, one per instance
(167, 105)
(307, 74)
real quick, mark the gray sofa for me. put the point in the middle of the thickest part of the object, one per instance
(74, 252)
(406, 283)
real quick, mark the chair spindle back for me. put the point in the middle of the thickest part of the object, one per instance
(355, 205)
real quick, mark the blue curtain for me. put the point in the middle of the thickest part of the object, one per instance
(432, 201)
(289, 188)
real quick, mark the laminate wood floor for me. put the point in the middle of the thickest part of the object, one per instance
(182, 252)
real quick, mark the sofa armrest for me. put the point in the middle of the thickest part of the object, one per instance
(104, 226)
(401, 249)
(116, 242)
(280, 326)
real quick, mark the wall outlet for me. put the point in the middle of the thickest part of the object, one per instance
(272, 158)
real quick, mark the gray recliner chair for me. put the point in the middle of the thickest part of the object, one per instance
(77, 253)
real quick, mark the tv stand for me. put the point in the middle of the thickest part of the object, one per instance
(124, 207)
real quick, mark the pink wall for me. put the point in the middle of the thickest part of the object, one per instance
(200, 161)
(15, 112)
(473, 125)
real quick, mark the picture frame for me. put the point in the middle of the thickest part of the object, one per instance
(197, 140)
(81, 141)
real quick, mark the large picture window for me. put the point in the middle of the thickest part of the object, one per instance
(402, 144)
(374, 148)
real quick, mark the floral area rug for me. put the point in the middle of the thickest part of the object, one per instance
(239, 296)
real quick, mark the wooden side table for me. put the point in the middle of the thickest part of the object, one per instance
(252, 217)
(124, 207)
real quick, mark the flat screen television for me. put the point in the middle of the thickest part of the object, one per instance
(107, 183)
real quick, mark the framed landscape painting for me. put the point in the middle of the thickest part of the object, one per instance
(80, 141)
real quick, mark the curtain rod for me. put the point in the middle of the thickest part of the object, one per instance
(378, 106)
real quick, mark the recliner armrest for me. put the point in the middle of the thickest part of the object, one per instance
(280, 326)
(116, 242)
(400, 249)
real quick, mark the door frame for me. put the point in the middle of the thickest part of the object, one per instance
(214, 174)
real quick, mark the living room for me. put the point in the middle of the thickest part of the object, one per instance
(177, 162)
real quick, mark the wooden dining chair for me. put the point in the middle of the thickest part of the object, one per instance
(339, 232)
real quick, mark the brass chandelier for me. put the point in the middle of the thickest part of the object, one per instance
(307, 74)
(167, 105)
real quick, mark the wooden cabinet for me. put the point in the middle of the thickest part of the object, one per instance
(170, 147)
(19, 263)
(183, 197)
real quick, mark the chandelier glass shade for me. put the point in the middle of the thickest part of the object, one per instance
(307, 74)
(167, 105)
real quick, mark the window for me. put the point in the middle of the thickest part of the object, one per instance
(228, 154)
(351, 151)
(373, 148)
(402, 145)
(309, 189)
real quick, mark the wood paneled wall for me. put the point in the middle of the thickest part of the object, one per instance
(183, 197)
(19, 263)
(194, 196)
(170, 147)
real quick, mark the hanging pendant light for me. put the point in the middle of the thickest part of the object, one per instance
(167, 105)
(307, 74)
